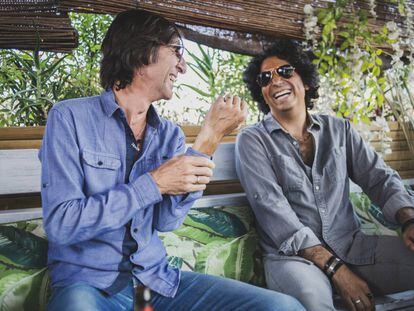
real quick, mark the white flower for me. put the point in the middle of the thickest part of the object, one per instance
(392, 26)
(308, 9)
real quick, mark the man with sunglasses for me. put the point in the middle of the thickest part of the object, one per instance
(115, 173)
(295, 169)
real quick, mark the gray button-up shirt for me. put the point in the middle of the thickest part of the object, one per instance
(297, 206)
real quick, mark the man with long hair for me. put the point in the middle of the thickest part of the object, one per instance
(115, 173)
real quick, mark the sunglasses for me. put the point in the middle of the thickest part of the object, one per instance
(285, 71)
(178, 50)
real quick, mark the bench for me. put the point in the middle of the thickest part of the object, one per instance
(218, 236)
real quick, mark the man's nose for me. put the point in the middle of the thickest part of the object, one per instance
(276, 78)
(182, 66)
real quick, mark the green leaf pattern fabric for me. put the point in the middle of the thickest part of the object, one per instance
(219, 241)
(24, 281)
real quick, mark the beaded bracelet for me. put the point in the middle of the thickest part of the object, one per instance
(406, 224)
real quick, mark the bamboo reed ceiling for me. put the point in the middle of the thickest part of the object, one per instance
(236, 25)
(31, 25)
(267, 18)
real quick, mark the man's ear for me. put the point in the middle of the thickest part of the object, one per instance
(140, 72)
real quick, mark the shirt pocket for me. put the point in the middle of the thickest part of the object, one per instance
(154, 161)
(335, 166)
(288, 172)
(102, 171)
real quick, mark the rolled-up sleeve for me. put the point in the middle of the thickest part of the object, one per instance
(274, 215)
(381, 183)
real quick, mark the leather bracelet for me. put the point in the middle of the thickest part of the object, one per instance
(332, 265)
(406, 224)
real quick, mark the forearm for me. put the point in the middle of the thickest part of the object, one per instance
(207, 141)
(318, 254)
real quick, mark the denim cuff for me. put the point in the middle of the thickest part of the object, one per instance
(301, 239)
(191, 152)
(146, 190)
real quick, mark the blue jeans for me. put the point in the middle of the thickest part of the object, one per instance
(195, 292)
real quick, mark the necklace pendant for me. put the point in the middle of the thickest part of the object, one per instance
(136, 147)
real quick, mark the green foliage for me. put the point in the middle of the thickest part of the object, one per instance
(32, 81)
(221, 73)
(348, 56)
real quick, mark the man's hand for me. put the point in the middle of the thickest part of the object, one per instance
(183, 174)
(408, 237)
(225, 115)
(353, 290)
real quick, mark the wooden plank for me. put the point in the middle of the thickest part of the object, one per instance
(394, 145)
(399, 155)
(20, 144)
(233, 199)
(223, 188)
(22, 133)
(20, 215)
(394, 135)
(406, 174)
(19, 171)
(20, 201)
(403, 165)
(225, 165)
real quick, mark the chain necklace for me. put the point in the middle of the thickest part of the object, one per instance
(303, 139)
(138, 145)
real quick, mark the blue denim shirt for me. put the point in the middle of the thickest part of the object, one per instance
(87, 205)
(297, 206)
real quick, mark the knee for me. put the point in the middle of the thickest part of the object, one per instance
(75, 298)
(314, 297)
(275, 301)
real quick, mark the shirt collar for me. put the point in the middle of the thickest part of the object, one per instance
(110, 106)
(108, 102)
(271, 124)
(313, 121)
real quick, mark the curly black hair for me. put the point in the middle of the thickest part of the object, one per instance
(132, 41)
(292, 52)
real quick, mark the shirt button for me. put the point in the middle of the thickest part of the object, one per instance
(255, 196)
(317, 188)
(295, 142)
(132, 257)
(135, 230)
(100, 163)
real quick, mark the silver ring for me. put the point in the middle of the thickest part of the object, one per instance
(198, 180)
(357, 301)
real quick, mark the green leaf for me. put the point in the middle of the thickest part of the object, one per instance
(198, 235)
(22, 249)
(234, 259)
(378, 61)
(197, 90)
(216, 221)
(23, 290)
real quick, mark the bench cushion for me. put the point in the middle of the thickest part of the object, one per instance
(218, 240)
(24, 282)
